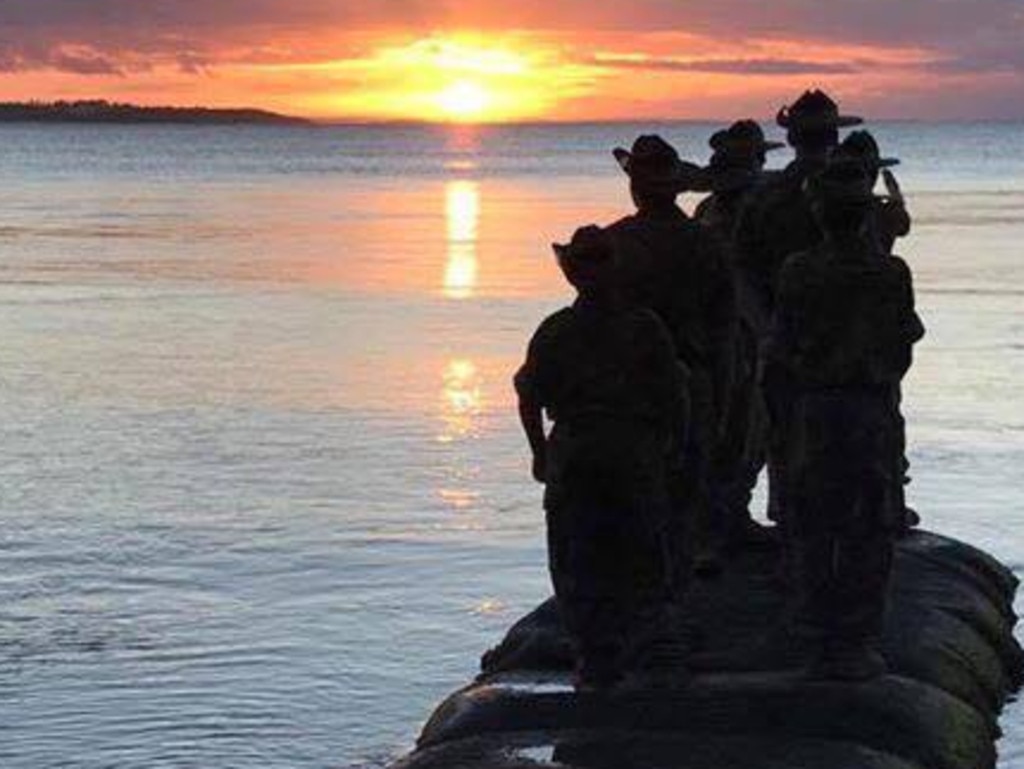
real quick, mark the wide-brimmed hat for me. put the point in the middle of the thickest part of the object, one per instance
(813, 110)
(861, 146)
(742, 139)
(590, 244)
(654, 162)
(726, 175)
(844, 180)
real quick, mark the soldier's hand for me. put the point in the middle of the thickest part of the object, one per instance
(892, 186)
(540, 467)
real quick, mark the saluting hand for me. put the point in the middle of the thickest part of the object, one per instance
(892, 186)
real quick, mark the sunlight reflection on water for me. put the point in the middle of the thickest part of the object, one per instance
(463, 215)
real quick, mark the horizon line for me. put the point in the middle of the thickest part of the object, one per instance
(370, 122)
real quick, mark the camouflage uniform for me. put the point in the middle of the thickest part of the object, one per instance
(777, 223)
(741, 452)
(887, 221)
(841, 340)
(610, 382)
(671, 265)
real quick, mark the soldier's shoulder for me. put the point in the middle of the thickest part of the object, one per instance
(554, 324)
(623, 225)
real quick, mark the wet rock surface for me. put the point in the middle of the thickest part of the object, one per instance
(949, 642)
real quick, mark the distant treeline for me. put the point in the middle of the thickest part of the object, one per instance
(100, 111)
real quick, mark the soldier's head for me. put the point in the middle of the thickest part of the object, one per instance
(657, 176)
(587, 260)
(840, 197)
(812, 124)
(861, 146)
(741, 146)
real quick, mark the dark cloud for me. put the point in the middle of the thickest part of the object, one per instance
(84, 63)
(730, 66)
(163, 16)
(885, 22)
(22, 57)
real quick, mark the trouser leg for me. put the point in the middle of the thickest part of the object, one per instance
(706, 519)
(844, 582)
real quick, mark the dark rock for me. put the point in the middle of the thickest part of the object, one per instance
(948, 639)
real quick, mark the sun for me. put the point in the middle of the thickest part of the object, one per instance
(464, 100)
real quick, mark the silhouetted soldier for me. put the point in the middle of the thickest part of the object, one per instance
(887, 221)
(670, 264)
(779, 222)
(607, 376)
(889, 218)
(737, 162)
(736, 170)
(841, 339)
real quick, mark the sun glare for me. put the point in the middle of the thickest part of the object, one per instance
(456, 79)
(465, 100)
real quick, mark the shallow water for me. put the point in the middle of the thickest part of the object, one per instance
(265, 500)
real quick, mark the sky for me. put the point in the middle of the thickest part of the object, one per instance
(509, 60)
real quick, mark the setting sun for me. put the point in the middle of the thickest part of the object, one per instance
(458, 78)
(464, 100)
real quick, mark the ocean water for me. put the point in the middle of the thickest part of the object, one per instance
(264, 500)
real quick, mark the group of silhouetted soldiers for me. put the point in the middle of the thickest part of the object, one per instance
(772, 327)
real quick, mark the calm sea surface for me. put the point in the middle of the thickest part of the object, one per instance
(264, 500)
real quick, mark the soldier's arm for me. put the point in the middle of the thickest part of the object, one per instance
(749, 250)
(528, 383)
(671, 377)
(895, 219)
(780, 347)
(911, 326)
(531, 416)
(722, 311)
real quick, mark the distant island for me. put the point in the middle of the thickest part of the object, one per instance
(100, 111)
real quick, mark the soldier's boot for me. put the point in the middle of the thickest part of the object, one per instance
(911, 519)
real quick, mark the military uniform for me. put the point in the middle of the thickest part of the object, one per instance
(778, 222)
(741, 452)
(610, 382)
(671, 265)
(888, 221)
(841, 340)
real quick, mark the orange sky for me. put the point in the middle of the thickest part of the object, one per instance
(456, 60)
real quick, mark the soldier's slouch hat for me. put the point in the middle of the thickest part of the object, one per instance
(742, 139)
(653, 162)
(814, 110)
(861, 146)
(589, 244)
